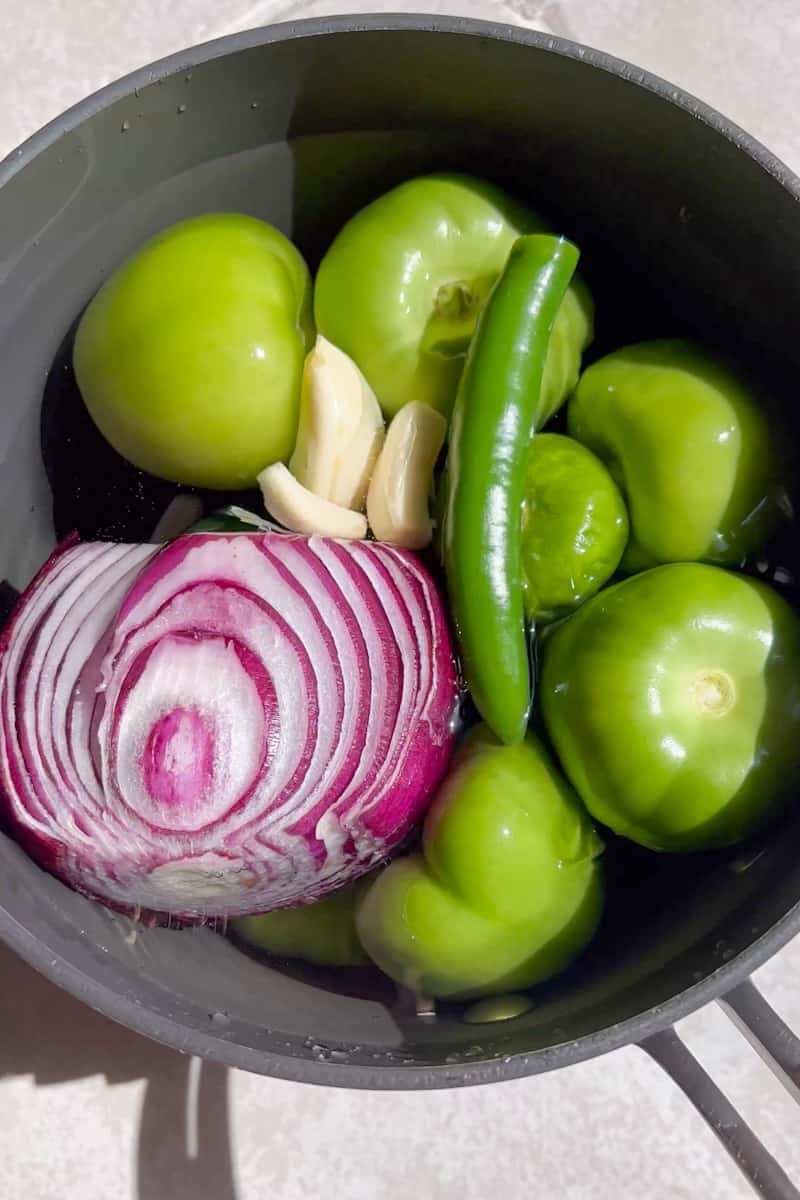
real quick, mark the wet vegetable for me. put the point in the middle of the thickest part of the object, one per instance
(402, 482)
(497, 1008)
(690, 447)
(323, 933)
(403, 284)
(226, 725)
(189, 357)
(673, 702)
(574, 526)
(491, 430)
(507, 890)
(340, 432)
(296, 508)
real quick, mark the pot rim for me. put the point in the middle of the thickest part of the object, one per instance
(213, 1045)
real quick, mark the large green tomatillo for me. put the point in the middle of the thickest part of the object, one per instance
(403, 283)
(189, 358)
(689, 445)
(673, 702)
(507, 889)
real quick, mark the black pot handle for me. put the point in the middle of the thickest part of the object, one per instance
(779, 1048)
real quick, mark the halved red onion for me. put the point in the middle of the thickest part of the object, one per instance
(227, 725)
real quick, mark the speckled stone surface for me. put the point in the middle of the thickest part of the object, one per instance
(89, 1111)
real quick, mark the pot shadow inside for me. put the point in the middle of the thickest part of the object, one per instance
(183, 1144)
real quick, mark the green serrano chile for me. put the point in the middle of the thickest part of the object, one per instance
(493, 423)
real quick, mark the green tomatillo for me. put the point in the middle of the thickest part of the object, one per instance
(189, 358)
(507, 889)
(323, 933)
(574, 526)
(690, 447)
(673, 702)
(403, 283)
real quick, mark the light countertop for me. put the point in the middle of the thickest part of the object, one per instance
(89, 1111)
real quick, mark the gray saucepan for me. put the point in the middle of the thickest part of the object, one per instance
(686, 225)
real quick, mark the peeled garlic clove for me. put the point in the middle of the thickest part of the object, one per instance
(397, 500)
(340, 432)
(304, 512)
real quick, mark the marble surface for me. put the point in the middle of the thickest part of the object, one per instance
(89, 1111)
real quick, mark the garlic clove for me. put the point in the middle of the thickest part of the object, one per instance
(340, 431)
(397, 500)
(302, 511)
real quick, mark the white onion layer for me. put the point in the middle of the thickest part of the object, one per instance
(226, 725)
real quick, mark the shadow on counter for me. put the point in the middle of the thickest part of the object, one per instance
(183, 1147)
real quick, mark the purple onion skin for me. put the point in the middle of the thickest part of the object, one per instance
(227, 725)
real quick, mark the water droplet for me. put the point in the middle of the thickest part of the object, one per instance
(318, 1049)
(125, 126)
(454, 721)
(453, 1058)
(187, 77)
(396, 1057)
(323, 1053)
(220, 1018)
(137, 92)
(181, 109)
(254, 104)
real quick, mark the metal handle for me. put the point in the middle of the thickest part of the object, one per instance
(779, 1048)
(766, 1033)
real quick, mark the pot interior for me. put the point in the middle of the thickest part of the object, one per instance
(682, 232)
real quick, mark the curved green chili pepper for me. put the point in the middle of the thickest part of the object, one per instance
(493, 422)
